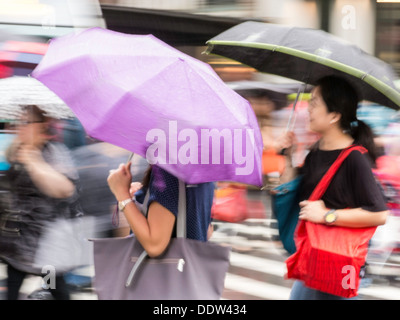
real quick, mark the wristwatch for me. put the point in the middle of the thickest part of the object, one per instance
(330, 217)
(122, 204)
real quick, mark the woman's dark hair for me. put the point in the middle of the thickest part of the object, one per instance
(35, 113)
(340, 96)
(146, 177)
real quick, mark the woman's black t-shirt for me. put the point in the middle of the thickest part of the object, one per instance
(353, 185)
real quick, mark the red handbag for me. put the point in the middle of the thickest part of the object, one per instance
(329, 258)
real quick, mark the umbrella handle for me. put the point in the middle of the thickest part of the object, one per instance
(292, 119)
(115, 216)
(293, 115)
(130, 157)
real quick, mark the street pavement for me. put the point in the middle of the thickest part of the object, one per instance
(257, 265)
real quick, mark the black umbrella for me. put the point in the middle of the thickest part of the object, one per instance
(277, 92)
(307, 55)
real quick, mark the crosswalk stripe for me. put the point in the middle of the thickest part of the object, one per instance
(253, 230)
(381, 292)
(256, 288)
(30, 284)
(273, 267)
(241, 242)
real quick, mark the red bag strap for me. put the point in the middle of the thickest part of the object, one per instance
(323, 185)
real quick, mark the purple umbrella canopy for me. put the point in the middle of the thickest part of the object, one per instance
(138, 93)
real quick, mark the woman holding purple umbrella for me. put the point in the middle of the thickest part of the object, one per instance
(155, 231)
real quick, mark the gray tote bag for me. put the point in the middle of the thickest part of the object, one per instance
(187, 270)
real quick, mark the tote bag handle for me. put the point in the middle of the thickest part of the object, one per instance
(180, 226)
(181, 219)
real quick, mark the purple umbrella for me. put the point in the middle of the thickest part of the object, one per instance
(140, 94)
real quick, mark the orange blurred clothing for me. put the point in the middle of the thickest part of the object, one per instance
(272, 162)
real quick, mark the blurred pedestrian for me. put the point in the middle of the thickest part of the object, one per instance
(332, 109)
(155, 231)
(93, 163)
(43, 183)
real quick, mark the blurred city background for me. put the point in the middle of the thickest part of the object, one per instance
(257, 262)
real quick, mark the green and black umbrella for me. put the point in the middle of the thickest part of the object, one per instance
(307, 55)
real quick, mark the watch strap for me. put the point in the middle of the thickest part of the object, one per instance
(122, 204)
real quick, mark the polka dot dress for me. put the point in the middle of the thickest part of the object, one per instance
(164, 189)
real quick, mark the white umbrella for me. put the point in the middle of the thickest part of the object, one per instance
(18, 91)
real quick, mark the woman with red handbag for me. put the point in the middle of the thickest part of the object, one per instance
(352, 201)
